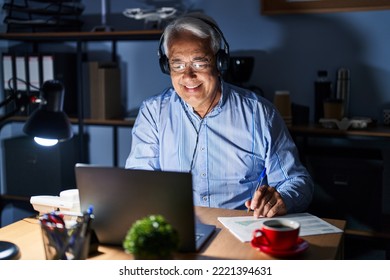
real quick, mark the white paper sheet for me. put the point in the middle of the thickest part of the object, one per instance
(243, 226)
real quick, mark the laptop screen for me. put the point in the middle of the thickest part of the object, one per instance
(122, 196)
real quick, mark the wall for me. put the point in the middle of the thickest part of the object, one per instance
(289, 49)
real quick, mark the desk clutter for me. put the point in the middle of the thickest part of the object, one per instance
(280, 229)
(292, 113)
(345, 123)
(27, 234)
(66, 239)
(66, 232)
(327, 102)
(242, 227)
(67, 201)
(35, 16)
(283, 103)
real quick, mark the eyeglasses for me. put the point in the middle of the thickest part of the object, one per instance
(198, 65)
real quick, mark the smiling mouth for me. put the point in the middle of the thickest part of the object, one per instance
(192, 87)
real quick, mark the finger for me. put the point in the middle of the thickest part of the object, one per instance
(271, 212)
(248, 204)
(266, 209)
(268, 202)
(277, 210)
(261, 197)
(278, 207)
(268, 194)
(258, 196)
(270, 209)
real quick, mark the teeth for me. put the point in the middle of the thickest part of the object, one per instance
(191, 87)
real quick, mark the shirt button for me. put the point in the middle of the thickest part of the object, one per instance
(204, 198)
(203, 175)
(202, 148)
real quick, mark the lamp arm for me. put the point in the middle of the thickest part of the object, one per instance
(8, 115)
(21, 99)
(7, 100)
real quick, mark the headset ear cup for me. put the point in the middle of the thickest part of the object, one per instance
(222, 60)
(164, 64)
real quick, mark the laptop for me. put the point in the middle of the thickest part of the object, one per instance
(121, 196)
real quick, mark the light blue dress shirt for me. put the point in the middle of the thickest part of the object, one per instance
(229, 148)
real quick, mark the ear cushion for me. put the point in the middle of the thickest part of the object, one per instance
(164, 64)
(222, 60)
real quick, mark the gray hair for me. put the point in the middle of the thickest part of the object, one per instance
(198, 24)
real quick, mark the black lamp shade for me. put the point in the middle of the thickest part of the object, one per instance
(49, 121)
(49, 125)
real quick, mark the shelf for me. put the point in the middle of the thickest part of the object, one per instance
(75, 121)
(111, 122)
(317, 130)
(273, 7)
(141, 35)
(52, 9)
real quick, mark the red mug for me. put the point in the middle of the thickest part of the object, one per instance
(278, 234)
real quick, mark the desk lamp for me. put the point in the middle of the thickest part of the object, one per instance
(48, 124)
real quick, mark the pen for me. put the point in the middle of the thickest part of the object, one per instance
(87, 218)
(79, 239)
(259, 182)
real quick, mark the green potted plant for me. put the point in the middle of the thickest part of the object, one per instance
(151, 238)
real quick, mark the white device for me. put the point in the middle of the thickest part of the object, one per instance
(67, 201)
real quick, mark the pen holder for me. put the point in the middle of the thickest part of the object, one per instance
(65, 242)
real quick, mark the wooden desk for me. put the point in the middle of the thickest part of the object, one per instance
(222, 245)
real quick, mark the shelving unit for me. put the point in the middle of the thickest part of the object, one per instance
(39, 15)
(82, 38)
(41, 37)
(350, 172)
(273, 7)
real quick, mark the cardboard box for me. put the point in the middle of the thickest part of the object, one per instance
(105, 91)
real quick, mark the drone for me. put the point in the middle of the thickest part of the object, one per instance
(156, 15)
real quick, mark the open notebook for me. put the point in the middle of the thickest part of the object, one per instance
(121, 196)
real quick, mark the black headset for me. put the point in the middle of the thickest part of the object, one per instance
(222, 57)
